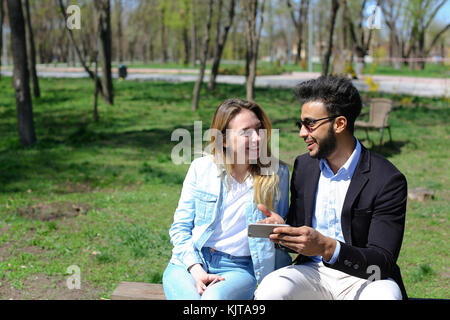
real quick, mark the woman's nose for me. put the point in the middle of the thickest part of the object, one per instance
(256, 137)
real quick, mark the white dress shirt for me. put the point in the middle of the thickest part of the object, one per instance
(230, 234)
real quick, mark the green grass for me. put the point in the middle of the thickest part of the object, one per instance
(431, 70)
(102, 195)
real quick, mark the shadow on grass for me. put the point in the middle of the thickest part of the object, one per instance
(389, 149)
(51, 161)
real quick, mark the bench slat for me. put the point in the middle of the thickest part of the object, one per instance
(138, 291)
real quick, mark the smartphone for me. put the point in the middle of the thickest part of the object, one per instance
(262, 230)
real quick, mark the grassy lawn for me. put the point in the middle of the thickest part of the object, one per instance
(432, 70)
(102, 196)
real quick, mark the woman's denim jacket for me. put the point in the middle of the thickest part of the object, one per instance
(199, 209)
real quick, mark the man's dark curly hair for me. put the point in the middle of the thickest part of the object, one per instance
(337, 93)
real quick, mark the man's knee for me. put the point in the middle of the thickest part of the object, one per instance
(273, 287)
(289, 283)
(381, 290)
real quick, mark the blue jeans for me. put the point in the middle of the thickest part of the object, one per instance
(239, 283)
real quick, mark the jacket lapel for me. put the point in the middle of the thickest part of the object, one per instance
(310, 188)
(358, 181)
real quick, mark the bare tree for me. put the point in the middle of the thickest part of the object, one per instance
(185, 35)
(299, 23)
(198, 83)
(220, 40)
(163, 33)
(118, 9)
(21, 76)
(104, 12)
(31, 50)
(77, 50)
(96, 89)
(361, 43)
(253, 37)
(391, 13)
(2, 18)
(423, 13)
(326, 59)
(193, 32)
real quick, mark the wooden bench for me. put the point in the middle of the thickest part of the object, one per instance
(150, 291)
(138, 291)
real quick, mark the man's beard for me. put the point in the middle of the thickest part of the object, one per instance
(327, 145)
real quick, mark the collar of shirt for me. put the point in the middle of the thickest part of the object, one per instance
(347, 170)
(246, 184)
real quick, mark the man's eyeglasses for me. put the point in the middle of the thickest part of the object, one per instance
(309, 123)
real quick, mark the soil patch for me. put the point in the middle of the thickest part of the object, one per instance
(44, 287)
(53, 211)
(70, 187)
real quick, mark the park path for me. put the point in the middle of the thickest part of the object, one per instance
(417, 86)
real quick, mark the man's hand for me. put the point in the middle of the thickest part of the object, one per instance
(202, 278)
(272, 217)
(304, 240)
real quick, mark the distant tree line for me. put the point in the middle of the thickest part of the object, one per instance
(193, 32)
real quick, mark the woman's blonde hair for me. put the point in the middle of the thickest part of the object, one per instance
(265, 185)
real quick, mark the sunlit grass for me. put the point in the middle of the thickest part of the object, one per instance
(120, 176)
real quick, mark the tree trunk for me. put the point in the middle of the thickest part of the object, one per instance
(251, 78)
(150, 48)
(299, 25)
(186, 46)
(2, 18)
(96, 118)
(119, 30)
(344, 29)
(221, 38)
(21, 77)
(198, 83)
(31, 49)
(193, 35)
(163, 37)
(104, 12)
(216, 59)
(253, 37)
(303, 20)
(326, 60)
(421, 52)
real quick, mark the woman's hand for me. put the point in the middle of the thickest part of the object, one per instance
(202, 278)
(272, 217)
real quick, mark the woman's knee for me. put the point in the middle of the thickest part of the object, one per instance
(236, 286)
(178, 284)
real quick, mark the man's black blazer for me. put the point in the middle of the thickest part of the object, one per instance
(373, 214)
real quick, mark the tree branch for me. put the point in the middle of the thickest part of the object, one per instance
(83, 62)
(434, 14)
(436, 38)
(291, 11)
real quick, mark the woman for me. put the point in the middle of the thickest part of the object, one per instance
(213, 258)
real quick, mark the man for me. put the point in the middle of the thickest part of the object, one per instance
(347, 210)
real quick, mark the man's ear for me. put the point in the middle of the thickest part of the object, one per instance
(340, 124)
